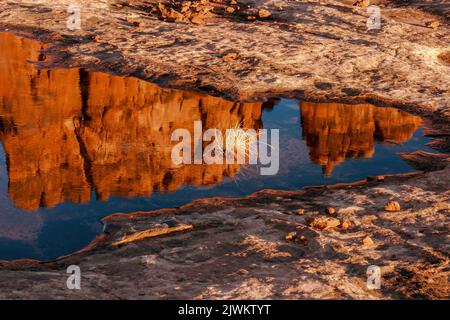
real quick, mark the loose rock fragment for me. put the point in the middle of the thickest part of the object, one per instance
(362, 3)
(375, 178)
(138, 24)
(323, 223)
(263, 13)
(330, 210)
(433, 24)
(294, 236)
(198, 19)
(230, 56)
(367, 241)
(346, 224)
(230, 9)
(291, 236)
(392, 206)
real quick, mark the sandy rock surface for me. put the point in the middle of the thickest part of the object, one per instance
(315, 49)
(264, 246)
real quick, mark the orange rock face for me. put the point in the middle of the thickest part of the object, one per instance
(68, 132)
(335, 131)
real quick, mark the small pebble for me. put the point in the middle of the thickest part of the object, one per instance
(263, 13)
(291, 236)
(375, 178)
(367, 241)
(392, 206)
(230, 9)
(345, 224)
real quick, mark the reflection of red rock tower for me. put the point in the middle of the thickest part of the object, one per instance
(394, 125)
(37, 109)
(67, 131)
(128, 134)
(335, 131)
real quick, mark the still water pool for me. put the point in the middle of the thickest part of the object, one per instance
(77, 146)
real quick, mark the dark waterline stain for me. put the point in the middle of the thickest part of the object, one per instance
(77, 146)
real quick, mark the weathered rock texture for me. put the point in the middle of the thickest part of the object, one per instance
(237, 248)
(317, 49)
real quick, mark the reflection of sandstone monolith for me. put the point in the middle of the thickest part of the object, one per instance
(335, 131)
(37, 109)
(67, 132)
(128, 128)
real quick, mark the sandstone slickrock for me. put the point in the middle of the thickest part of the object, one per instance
(150, 233)
(307, 43)
(427, 161)
(283, 55)
(233, 235)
